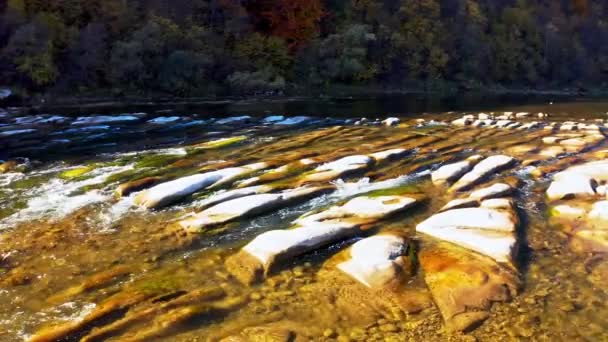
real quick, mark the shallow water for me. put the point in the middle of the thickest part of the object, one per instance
(69, 245)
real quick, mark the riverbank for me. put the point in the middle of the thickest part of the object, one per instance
(107, 98)
(327, 103)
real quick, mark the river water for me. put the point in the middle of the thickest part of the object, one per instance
(80, 262)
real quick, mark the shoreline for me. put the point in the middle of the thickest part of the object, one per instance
(83, 102)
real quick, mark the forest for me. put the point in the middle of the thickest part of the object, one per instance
(189, 48)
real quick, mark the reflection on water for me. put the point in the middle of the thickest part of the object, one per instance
(78, 261)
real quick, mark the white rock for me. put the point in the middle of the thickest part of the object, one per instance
(224, 196)
(460, 203)
(362, 207)
(570, 184)
(486, 231)
(478, 123)
(568, 127)
(384, 155)
(597, 170)
(484, 168)
(276, 245)
(376, 261)
(496, 190)
(552, 151)
(316, 230)
(498, 246)
(345, 163)
(497, 203)
(246, 207)
(462, 122)
(450, 172)
(337, 168)
(169, 192)
(503, 123)
(551, 140)
(391, 122)
(470, 218)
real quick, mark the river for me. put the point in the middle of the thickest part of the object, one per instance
(299, 220)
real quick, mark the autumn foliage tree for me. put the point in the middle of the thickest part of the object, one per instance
(295, 21)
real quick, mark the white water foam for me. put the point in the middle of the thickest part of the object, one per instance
(54, 200)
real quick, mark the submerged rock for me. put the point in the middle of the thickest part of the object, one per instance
(465, 285)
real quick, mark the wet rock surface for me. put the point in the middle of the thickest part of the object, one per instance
(453, 226)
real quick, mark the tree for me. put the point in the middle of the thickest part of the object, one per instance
(423, 33)
(296, 21)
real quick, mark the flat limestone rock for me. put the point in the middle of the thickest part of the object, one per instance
(482, 169)
(497, 203)
(128, 188)
(460, 203)
(362, 207)
(169, 192)
(493, 191)
(376, 261)
(552, 151)
(464, 285)
(279, 172)
(487, 231)
(571, 184)
(247, 206)
(255, 260)
(340, 167)
(597, 170)
(388, 154)
(233, 194)
(450, 172)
